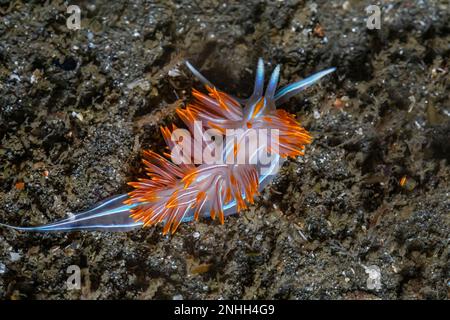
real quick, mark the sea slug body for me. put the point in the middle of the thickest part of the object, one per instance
(183, 189)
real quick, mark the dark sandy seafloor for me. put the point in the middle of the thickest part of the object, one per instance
(77, 108)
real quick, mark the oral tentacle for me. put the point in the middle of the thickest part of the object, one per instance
(283, 94)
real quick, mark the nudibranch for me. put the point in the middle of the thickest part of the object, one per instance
(183, 190)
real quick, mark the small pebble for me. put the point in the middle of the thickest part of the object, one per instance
(316, 114)
(15, 256)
